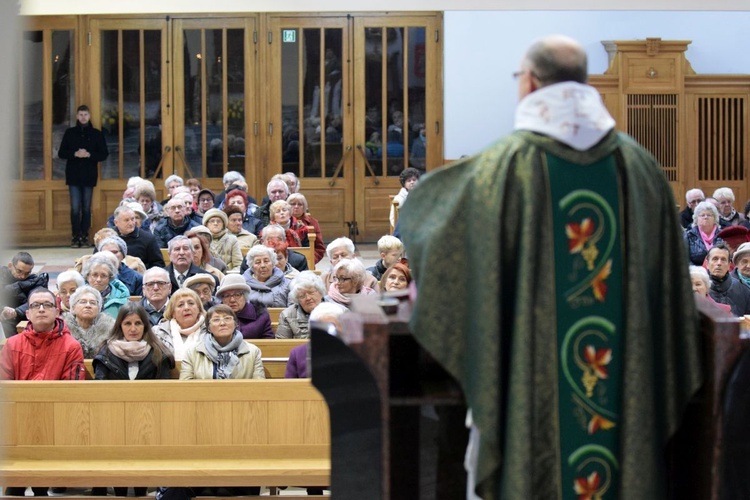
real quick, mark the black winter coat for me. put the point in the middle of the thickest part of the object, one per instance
(107, 366)
(82, 171)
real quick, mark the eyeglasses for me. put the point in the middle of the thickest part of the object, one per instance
(695, 202)
(232, 296)
(304, 295)
(221, 319)
(339, 279)
(99, 276)
(21, 273)
(39, 305)
(155, 284)
(517, 74)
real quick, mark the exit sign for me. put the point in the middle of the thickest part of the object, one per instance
(289, 36)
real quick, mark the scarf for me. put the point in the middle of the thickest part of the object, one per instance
(570, 112)
(729, 217)
(708, 239)
(225, 358)
(743, 279)
(345, 300)
(106, 292)
(129, 351)
(182, 337)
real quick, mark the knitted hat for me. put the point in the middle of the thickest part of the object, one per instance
(215, 212)
(206, 278)
(232, 282)
(744, 249)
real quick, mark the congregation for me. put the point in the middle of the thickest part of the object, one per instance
(184, 282)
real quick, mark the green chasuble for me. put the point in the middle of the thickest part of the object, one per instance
(552, 285)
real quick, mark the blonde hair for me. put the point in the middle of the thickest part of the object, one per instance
(183, 292)
(276, 205)
(388, 243)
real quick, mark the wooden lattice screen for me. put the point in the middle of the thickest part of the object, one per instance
(652, 121)
(721, 138)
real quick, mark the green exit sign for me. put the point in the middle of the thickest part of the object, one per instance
(289, 36)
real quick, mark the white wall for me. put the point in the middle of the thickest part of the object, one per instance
(483, 49)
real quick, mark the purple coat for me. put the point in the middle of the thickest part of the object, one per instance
(254, 325)
(296, 367)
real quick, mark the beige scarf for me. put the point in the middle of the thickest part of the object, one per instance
(184, 338)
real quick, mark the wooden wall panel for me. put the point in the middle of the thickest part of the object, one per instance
(316, 422)
(142, 423)
(285, 422)
(32, 209)
(328, 206)
(214, 422)
(36, 423)
(377, 211)
(8, 431)
(61, 210)
(178, 423)
(251, 422)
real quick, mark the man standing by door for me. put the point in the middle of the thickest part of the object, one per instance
(84, 147)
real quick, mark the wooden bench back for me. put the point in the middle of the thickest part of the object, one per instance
(121, 425)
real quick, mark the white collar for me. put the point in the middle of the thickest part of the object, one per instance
(570, 112)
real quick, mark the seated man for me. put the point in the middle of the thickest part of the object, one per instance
(343, 248)
(157, 288)
(140, 243)
(391, 251)
(277, 189)
(181, 265)
(131, 279)
(175, 224)
(276, 233)
(17, 280)
(692, 197)
(724, 288)
(45, 350)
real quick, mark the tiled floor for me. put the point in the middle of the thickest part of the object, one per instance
(54, 260)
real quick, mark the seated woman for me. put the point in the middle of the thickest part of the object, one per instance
(396, 277)
(86, 321)
(99, 271)
(702, 284)
(234, 293)
(234, 225)
(132, 351)
(145, 194)
(269, 287)
(282, 258)
(343, 248)
(298, 202)
(184, 323)
(238, 198)
(67, 283)
(280, 213)
(702, 236)
(306, 292)
(224, 245)
(222, 353)
(348, 279)
(205, 286)
(202, 256)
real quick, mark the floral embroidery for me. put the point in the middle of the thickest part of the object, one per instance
(596, 361)
(598, 422)
(587, 488)
(597, 284)
(579, 234)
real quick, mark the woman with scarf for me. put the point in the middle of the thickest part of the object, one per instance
(224, 245)
(728, 215)
(99, 272)
(702, 236)
(86, 321)
(280, 213)
(348, 279)
(269, 287)
(132, 352)
(184, 325)
(223, 354)
(299, 205)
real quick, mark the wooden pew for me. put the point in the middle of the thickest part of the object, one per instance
(164, 433)
(275, 354)
(165, 256)
(274, 312)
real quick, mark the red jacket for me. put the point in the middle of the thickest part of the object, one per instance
(54, 355)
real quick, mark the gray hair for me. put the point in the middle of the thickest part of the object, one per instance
(122, 208)
(277, 181)
(261, 250)
(327, 309)
(272, 227)
(306, 280)
(100, 259)
(356, 270)
(692, 192)
(702, 273)
(705, 206)
(83, 290)
(156, 270)
(555, 59)
(724, 192)
(117, 241)
(172, 178)
(340, 242)
(177, 239)
(68, 276)
(232, 176)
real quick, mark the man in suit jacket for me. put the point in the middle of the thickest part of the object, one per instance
(181, 265)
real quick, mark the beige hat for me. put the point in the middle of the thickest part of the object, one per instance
(232, 282)
(200, 278)
(138, 209)
(215, 212)
(201, 230)
(741, 250)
